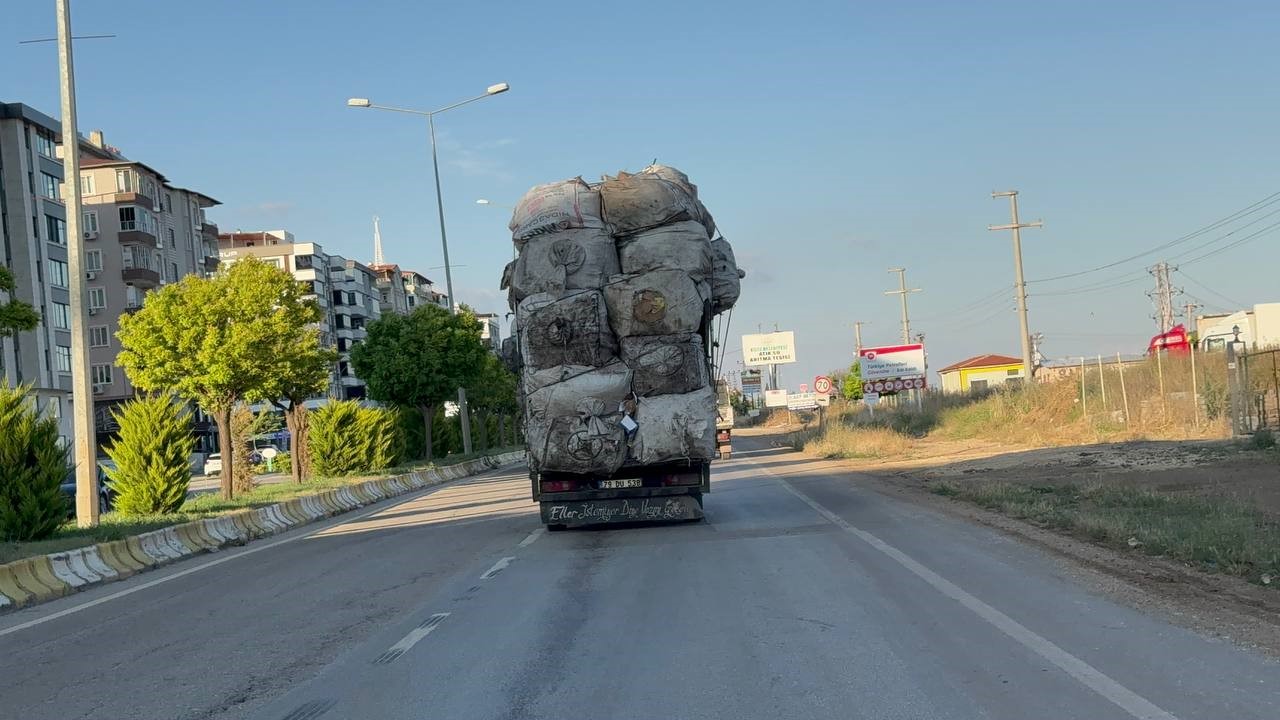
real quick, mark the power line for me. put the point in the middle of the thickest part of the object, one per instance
(1249, 210)
(1210, 290)
(974, 305)
(1100, 286)
(1237, 243)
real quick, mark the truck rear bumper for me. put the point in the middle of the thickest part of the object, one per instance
(577, 513)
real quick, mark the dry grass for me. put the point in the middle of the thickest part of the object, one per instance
(844, 441)
(1215, 534)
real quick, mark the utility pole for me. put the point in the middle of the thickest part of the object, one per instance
(857, 337)
(902, 293)
(86, 455)
(1020, 284)
(1162, 296)
(1189, 312)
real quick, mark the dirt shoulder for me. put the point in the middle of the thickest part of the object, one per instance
(1213, 604)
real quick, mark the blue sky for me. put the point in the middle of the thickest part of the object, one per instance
(831, 140)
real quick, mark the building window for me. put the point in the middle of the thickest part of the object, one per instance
(62, 359)
(61, 315)
(45, 144)
(99, 336)
(58, 273)
(277, 261)
(166, 204)
(57, 228)
(344, 369)
(86, 185)
(303, 262)
(1013, 373)
(343, 346)
(131, 297)
(54, 406)
(128, 218)
(173, 272)
(50, 186)
(90, 222)
(412, 300)
(101, 374)
(97, 298)
(126, 181)
(172, 241)
(93, 260)
(978, 385)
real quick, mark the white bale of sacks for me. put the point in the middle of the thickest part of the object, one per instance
(569, 330)
(574, 425)
(726, 277)
(553, 207)
(665, 364)
(659, 302)
(674, 246)
(675, 427)
(581, 259)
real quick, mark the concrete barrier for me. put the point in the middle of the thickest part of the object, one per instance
(38, 579)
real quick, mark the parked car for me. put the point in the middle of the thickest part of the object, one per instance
(105, 499)
(213, 464)
(256, 457)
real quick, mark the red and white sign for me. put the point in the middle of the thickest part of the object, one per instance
(804, 387)
(892, 362)
(822, 385)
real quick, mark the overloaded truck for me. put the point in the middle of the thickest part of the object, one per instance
(615, 290)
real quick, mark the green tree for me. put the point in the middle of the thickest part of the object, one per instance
(33, 466)
(303, 368)
(346, 438)
(492, 394)
(152, 454)
(215, 342)
(851, 385)
(15, 315)
(420, 360)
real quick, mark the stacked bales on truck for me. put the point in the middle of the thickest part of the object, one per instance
(613, 288)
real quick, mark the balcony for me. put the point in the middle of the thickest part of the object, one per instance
(134, 198)
(209, 230)
(137, 237)
(211, 263)
(141, 277)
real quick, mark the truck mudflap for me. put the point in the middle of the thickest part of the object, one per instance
(576, 513)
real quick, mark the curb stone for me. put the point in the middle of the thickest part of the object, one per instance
(34, 580)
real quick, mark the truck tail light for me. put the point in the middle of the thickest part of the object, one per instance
(555, 486)
(682, 479)
(722, 436)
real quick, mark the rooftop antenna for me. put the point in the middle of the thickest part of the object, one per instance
(377, 243)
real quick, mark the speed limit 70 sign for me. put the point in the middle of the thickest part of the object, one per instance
(822, 385)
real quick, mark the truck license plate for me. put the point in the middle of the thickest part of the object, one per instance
(620, 484)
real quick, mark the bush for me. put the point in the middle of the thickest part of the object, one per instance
(1263, 439)
(33, 466)
(345, 438)
(151, 453)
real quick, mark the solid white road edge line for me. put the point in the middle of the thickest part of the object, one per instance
(246, 550)
(1092, 678)
(533, 537)
(497, 568)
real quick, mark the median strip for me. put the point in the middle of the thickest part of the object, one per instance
(34, 580)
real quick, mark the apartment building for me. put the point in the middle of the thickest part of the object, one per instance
(392, 297)
(33, 239)
(356, 303)
(490, 331)
(140, 232)
(419, 291)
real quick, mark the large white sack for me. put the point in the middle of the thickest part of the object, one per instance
(675, 427)
(570, 330)
(575, 425)
(535, 380)
(581, 259)
(726, 277)
(670, 174)
(676, 246)
(554, 207)
(631, 203)
(661, 302)
(665, 364)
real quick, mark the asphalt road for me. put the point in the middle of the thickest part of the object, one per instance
(802, 596)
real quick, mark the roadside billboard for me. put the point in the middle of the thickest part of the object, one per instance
(893, 362)
(775, 398)
(775, 348)
(802, 401)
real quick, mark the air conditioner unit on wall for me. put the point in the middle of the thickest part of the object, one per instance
(93, 311)
(90, 235)
(91, 276)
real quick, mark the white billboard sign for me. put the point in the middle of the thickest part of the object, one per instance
(775, 398)
(774, 348)
(802, 401)
(892, 362)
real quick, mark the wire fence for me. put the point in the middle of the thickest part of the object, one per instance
(1259, 384)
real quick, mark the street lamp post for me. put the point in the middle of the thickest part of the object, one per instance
(444, 239)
